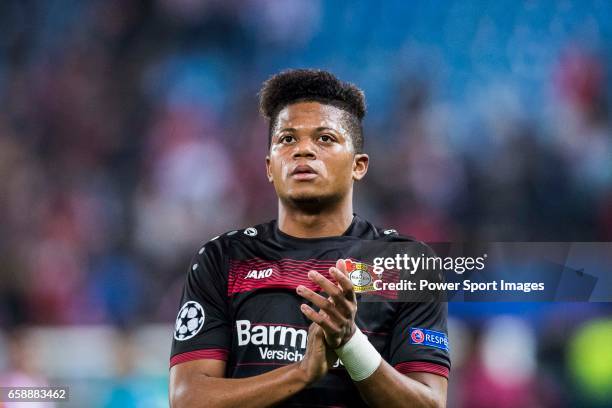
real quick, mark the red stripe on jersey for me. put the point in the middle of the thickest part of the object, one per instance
(423, 367)
(286, 274)
(213, 354)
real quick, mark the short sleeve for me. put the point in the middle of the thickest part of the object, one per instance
(202, 327)
(419, 339)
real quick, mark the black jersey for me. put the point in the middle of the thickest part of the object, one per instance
(239, 305)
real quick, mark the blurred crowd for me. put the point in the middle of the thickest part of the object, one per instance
(130, 134)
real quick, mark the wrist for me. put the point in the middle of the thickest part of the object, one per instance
(344, 340)
(302, 374)
(354, 329)
(359, 356)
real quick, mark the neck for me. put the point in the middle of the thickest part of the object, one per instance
(328, 222)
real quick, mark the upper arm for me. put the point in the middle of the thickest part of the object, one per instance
(184, 376)
(437, 384)
(190, 369)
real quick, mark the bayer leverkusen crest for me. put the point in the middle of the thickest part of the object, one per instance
(361, 275)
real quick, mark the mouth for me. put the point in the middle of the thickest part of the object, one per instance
(303, 172)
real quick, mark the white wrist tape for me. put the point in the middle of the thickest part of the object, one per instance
(359, 356)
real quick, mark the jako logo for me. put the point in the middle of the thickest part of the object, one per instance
(255, 274)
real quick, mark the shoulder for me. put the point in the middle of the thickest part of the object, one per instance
(222, 242)
(211, 258)
(392, 235)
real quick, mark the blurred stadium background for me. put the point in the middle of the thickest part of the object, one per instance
(129, 135)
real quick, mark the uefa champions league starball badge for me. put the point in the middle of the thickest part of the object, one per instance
(189, 321)
(361, 275)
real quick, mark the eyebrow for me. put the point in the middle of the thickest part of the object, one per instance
(320, 128)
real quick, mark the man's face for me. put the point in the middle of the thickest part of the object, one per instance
(312, 158)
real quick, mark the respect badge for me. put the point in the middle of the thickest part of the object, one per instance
(361, 275)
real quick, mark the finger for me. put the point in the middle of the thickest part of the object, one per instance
(325, 284)
(318, 300)
(341, 264)
(328, 325)
(346, 290)
(320, 318)
(335, 292)
(314, 329)
(343, 281)
(311, 314)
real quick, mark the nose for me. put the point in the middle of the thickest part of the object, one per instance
(304, 148)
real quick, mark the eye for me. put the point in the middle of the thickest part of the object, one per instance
(326, 138)
(286, 139)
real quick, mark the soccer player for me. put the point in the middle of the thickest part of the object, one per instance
(269, 315)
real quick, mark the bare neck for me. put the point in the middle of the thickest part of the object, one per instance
(327, 223)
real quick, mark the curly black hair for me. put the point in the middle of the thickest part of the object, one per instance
(298, 85)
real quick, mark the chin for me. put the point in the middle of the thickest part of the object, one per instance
(304, 192)
(306, 198)
(311, 201)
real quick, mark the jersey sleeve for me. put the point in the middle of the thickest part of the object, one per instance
(419, 339)
(202, 327)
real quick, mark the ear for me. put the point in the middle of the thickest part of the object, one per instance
(268, 171)
(360, 166)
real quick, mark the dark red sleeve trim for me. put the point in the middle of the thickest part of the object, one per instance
(422, 366)
(214, 354)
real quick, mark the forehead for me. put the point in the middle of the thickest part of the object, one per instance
(311, 114)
